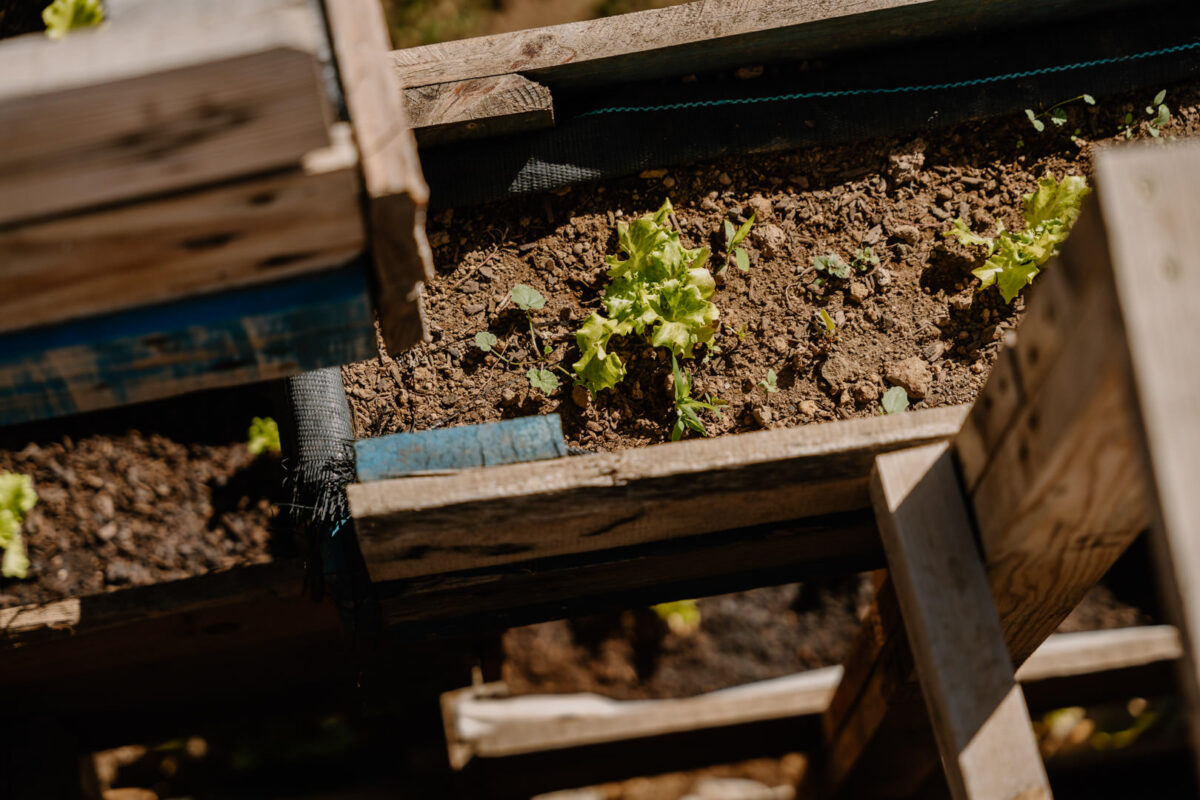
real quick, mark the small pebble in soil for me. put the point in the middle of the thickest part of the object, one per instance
(912, 375)
(581, 397)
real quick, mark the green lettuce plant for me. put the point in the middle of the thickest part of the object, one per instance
(63, 16)
(1015, 259)
(17, 497)
(263, 436)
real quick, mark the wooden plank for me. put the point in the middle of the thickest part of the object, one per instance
(253, 231)
(240, 336)
(508, 595)
(1057, 499)
(483, 722)
(424, 525)
(978, 713)
(447, 450)
(713, 35)
(1151, 203)
(395, 187)
(458, 111)
(173, 96)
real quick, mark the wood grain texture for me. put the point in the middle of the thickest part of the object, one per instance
(238, 336)
(1151, 203)
(978, 713)
(711, 35)
(425, 525)
(396, 190)
(458, 111)
(252, 231)
(176, 95)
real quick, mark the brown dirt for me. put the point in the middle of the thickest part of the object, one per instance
(895, 196)
(143, 495)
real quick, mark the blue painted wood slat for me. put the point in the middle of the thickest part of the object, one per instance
(506, 442)
(223, 339)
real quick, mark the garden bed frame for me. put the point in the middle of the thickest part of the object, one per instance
(994, 521)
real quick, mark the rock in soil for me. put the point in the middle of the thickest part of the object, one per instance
(912, 375)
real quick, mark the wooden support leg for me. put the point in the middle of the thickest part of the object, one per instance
(978, 712)
(1152, 196)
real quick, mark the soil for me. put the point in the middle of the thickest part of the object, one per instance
(143, 495)
(916, 320)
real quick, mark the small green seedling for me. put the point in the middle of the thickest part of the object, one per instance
(541, 377)
(831, 329)
(895, 400)
(864, 260)
(686, 406)
(486, 341)
(1159, 113)
(17, 497)
(543, 380)
(263, 436)
(681, 616)
(733, 238)
(527, 298)
(741, 333)
(1057, 114)
(63, 16)
(770, 384)
(832, 266)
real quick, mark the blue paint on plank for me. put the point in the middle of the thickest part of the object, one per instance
(238, 336)
(507, 442)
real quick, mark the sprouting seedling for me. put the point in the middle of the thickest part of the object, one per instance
(540, 372)
(63, 16)
(1160, 113)
(741, 333)
(895, 400)
(17, 497)
(686, 406)
(733, 238)
(263, 436)
(864, 260)
(1057, 113)
(832, 266)
(831, 329)
(770, 384)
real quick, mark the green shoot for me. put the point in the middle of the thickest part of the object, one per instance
(864, 259)
(263, 436)
(63, 16)
(686, 406)
(830, 326)
(1015, 259)
(895, 400)
(527, 298)
(485, 341)
(770, 384)
(832, 266)
(1057, 113)
(1159, 113)
(732, 239)
(681, 616)
(17, 497)
(741, 333)
(543, 380)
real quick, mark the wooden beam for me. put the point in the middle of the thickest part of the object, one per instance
(396, 190)
(522, 593)
(252, 231)
(712, 35)
(978, 713)
(458, 111)
(237, 336)
(1152, 200)
(174, 96)
(520, 512)
(1057, 490)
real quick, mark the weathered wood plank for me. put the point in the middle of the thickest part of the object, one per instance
(445, 450)
(458, 111)
(176, 95)
(978, 713)
(711, 35)
(239, 336)
(483, 722)
(395, 187)
(1058, 497)
(256, 230)
(424, 525)
(1151, 198)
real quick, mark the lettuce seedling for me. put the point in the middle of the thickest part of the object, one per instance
(17, 497)
(263, 436)
(770, 384)
(734, 237)
(832, 266)
(661, 290)
(865, 260)
(63, 16)
(1015, 259)
(686, 405)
